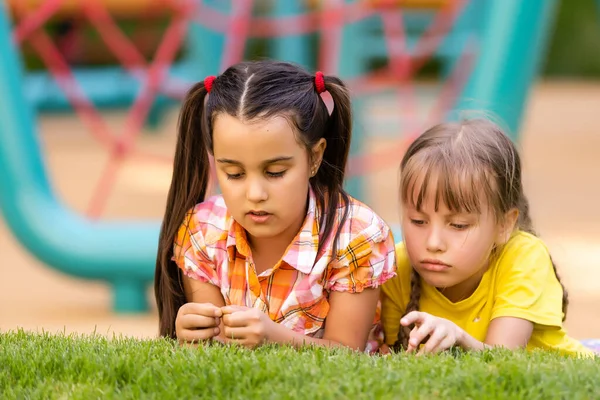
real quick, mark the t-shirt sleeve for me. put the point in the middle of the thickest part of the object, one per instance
(393, 297)
(189, 252)
(366, 261)
(527, 286)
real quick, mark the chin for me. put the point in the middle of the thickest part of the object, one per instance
(262, 231)
(437, 279)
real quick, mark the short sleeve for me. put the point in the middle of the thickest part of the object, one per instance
(367, 261)
(394, 297)
(189, 252)
(527, 286)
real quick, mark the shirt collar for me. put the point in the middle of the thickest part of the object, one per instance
(301, 254)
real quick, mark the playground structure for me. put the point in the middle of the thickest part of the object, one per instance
(482, 49)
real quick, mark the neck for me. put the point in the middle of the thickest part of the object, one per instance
(464, 289)
(273, 246)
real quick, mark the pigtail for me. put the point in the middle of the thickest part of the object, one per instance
(413, 305)
(525, 224)
(329, 180)
(188, 187)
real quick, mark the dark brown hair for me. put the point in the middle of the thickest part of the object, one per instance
(465, 157)
(250, 91)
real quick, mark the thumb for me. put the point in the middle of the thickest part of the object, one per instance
(233, 309)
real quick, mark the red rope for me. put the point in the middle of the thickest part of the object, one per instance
(454, 84)
(117, 42)
(34, 19)
(237, 33)
(238, 26)
(331, 24)
(124, 49)
(61, 72)
(436, 32)
(165, 54)
(379, 160)
(265, 27)
(400, 65)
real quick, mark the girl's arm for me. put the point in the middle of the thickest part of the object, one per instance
(349, 322)
(508, 332)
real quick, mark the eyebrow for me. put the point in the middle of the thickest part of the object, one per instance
(266, 162)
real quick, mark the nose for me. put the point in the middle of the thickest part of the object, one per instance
(256, 191)
(435, 240)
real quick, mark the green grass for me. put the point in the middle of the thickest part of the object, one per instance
(88, 367)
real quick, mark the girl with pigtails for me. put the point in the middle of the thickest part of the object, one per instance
(283, 254)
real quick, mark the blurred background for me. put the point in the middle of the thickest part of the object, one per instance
(89, 95)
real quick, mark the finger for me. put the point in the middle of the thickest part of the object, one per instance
(241, 337)
(418, 334)
(236, 334)
(448, 342)
(221, 339)
(233, 309)
(197, 335)
(410, 347)
(436, 337)
(236, 320)
(384, 349)
(413, 317)
(205, 309)
(195, 321)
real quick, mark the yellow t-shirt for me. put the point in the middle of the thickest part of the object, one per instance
(520, 283)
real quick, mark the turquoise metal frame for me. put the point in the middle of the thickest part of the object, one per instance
(122, 253)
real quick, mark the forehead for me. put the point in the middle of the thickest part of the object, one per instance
(445, 190)
(254, 141)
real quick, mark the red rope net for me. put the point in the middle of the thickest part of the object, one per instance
(238, 26)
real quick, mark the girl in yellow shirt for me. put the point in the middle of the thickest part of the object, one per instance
(471, 272)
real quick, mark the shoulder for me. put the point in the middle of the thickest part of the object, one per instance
(526, 285)
(402, 260)
(401, 282)
(362, 223)
(524, 250)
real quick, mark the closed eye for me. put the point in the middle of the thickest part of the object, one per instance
(234, 176)
(460, 226)
(417, 221)
(278, 174)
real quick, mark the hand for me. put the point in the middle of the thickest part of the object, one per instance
(249, 327)
(196, 322)
(442, 333)
(385, 350)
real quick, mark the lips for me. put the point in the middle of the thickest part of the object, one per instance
(258, 213)
(259, 216)
(434, 265)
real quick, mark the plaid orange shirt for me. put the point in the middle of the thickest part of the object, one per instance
(212, 247)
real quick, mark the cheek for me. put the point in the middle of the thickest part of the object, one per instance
(411, 234)
(412, 238)
(474, 247)
(227, 186)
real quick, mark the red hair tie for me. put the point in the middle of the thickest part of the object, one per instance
(208, 82)
(320, 82)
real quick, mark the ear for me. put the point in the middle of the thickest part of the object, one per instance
(316, 158)
(507, 226)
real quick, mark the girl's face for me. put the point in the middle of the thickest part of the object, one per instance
(450, 250)
(263, 173)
